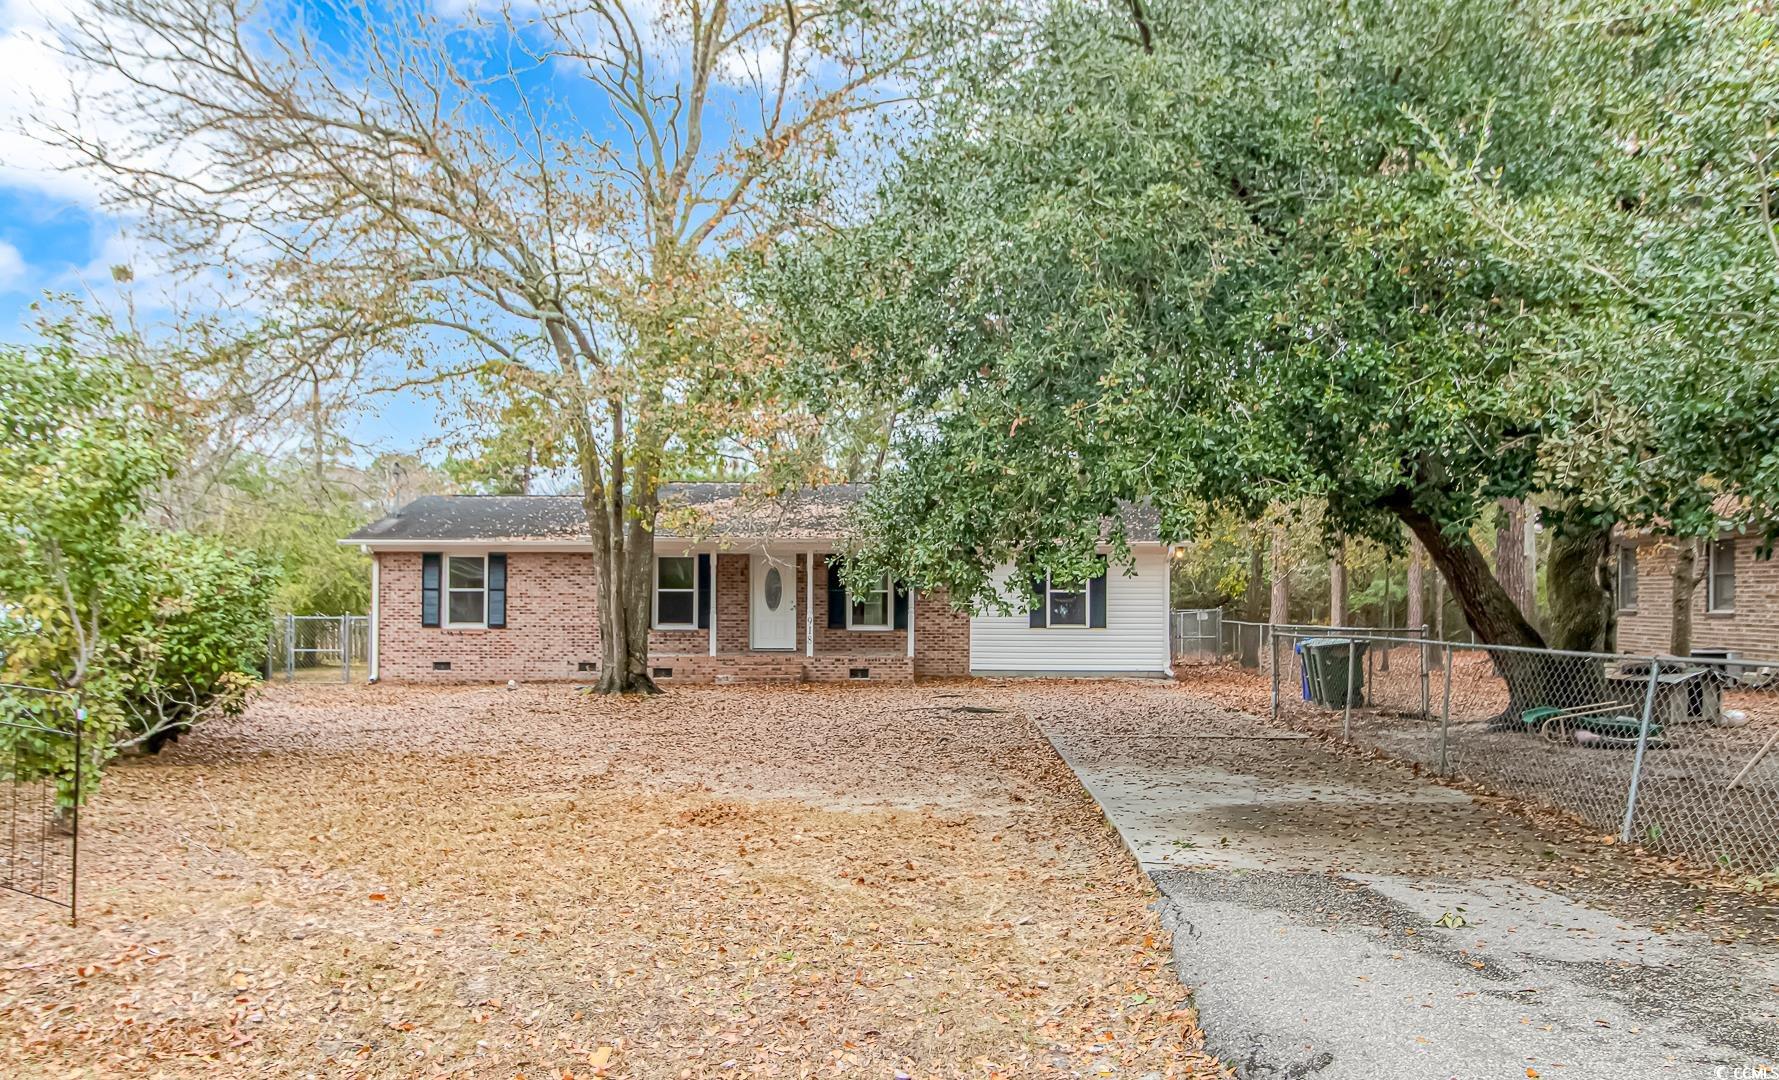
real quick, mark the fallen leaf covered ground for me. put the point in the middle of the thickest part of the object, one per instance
(737, 881)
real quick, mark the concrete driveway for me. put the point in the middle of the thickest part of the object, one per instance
(1339, 917)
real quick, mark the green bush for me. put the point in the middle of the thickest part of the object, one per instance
(131, 633)
(191, 633)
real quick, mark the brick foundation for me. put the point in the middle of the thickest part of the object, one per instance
(553, 628)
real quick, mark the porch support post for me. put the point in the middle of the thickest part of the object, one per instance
(910, 622)
(376, 593)
(809, 603)
(713, 601)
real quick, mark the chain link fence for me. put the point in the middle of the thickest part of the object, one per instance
(1679, 755)
(1225, 640)
(319, 648)
(42, 762)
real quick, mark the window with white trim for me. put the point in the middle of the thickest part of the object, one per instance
(466, 591)
(676, 592)
(869, 609)
(1720, 577)
(1064, 607)
(1627, 578)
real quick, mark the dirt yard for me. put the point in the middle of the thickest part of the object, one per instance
(384, 881)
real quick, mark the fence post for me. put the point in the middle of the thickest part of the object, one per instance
(74, 818)
(1346, 716)
(1445, 711)
(290, 648)
(1425, 688)
(1655, 667)
(1275, 674)
(345, 651)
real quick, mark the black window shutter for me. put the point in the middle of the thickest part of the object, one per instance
(901, 593)
(836, 595)
(704, 591)
(1039, 600)
(1096, 598)
(429, 589)
(497, 591)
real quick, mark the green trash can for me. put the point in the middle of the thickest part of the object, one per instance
(1328, 662)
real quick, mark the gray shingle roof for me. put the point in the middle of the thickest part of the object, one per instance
(721, 511)
(687, 510)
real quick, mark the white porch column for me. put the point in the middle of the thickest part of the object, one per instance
(809, 603)
(713, 603)
(376, 591)
(910, 622)
(1167, 610)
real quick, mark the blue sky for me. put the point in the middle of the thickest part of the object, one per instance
(55, 235)
(56, 238)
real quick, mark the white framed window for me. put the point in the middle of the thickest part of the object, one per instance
(870, 609)
(1627, 578)
(1720, 576)
(466, 592)
(1064, 607)
(676, 592)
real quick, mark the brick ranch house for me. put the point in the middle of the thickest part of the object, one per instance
(1735, 606)
(485, 587)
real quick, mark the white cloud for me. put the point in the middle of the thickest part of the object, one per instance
(39, 88)
(12, 267)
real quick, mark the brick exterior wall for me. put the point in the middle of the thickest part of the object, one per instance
(552, 623)
(1751, 630)
(553, 627)
(941, 638)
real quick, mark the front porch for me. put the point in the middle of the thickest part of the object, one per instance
(774, 615)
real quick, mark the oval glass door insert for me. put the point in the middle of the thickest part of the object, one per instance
(774, 588)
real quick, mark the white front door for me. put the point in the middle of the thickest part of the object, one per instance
(773, 583)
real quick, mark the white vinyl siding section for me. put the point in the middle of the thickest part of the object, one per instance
(1133, 641)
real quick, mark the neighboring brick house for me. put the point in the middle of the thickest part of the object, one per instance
(1735, 605)
(502, 587)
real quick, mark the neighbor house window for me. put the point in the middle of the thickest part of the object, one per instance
(869, 609)
(1065, 607)
(1720, 580)
(676, 592)
(466, 588)
(1627, 578)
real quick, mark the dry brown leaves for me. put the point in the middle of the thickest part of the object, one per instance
(384, 881)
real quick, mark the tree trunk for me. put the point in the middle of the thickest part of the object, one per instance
(1436, 658)
(1488, 609)
(1253, 606)
(625, 561)
(1686, 580)
(621, 505)
(1417, 586)
(1337, 586)
(1575, 584)
(1279, 611)
(1256, 574)
(1513, 565)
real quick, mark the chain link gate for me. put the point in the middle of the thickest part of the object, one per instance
(1197, 634)
(319, 648)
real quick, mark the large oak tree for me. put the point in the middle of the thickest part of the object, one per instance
(1409, 259)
